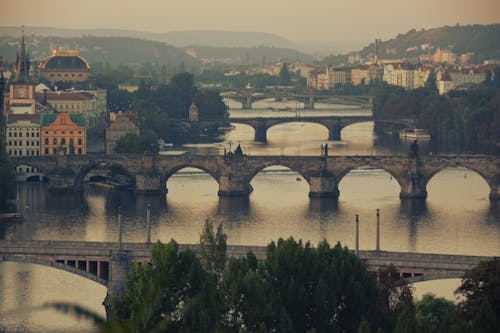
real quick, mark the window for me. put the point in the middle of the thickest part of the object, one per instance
(15, 134)
(46, 141)
(32, 134)
(15, 143)
(54, 151)
(37, 135)
(79, 141)
(79, 151)
(10, 143)
(20, 152)
(71, 142)
(10, 152)
(46, 151)
(20, 134)
(38, 143)
(37, 153)
(55, 141)
(63, 141)
(10, 134)
(20, 143)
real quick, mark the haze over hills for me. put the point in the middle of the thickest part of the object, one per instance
(212, 38)
(482, 40)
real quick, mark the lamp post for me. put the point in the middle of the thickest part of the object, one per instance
(378, 230)
(148, 224)
(119, 228)
(357, 235)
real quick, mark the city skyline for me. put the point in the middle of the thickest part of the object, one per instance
(316, 21)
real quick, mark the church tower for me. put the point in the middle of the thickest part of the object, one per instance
(22, 88)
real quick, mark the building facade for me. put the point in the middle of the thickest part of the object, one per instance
(64, 66)
(120, 125)
(23, 135)
(62, 133)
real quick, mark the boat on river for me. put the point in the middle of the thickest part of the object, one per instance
(11, 217)
(415, 134)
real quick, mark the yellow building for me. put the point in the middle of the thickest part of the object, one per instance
(23, 135)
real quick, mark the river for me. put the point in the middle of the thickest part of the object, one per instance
(456, 218)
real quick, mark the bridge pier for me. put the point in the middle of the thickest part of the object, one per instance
(261, 133)
(149, 183)
(230, 186)
(247, 103)
(120, 265)
(62, 183)
(309, 104)
(334, 132)
(323, 187)
(413, 187)
(495, 192)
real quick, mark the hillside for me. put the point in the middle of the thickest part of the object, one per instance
(242, 55)
(114, 50)
(482, 40)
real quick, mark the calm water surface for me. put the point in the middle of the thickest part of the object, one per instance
(456, 218)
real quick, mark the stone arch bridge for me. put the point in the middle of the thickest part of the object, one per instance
(234, 173)
(262, 124)
(108, 263)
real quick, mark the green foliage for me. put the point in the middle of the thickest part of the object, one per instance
(212, 250)
(434, 314)
(481, 291)
(300, 288)
(174, 295)
(130, 143)
(459, 121)
(7, 178)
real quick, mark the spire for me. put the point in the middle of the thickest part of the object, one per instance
(22, 63)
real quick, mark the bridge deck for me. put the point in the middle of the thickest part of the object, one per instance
(424, 262)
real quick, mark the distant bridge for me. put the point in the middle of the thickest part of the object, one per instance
(234, 173)
(309, 97)
(108, 263)
(334, 124)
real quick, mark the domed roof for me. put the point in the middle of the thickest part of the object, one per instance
(64, 60)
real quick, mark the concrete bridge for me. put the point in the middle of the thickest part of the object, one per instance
(309, 97)
(108, 263)
(334, 124)
(235, 173)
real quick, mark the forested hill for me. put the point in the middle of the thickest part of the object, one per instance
(482, 40)
(114, 50)
(248, 55)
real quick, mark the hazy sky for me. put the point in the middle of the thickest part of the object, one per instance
(298, 20)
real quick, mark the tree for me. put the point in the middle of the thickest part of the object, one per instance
(481, 291)
(433, 314)
(284, 75)
(212, 250)
(7, 178)
(210, 105)
(175, 294)
(130, 143)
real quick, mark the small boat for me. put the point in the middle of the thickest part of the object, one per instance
(415, 134)
(226, 128)
(104, 185)
(11, 217)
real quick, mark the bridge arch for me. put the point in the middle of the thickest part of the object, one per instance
(56, 265)
(305, 121)
(368, 165)
(435, 276)
(98, 165)
(170, 172)
(489, 181)
(293, 168)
